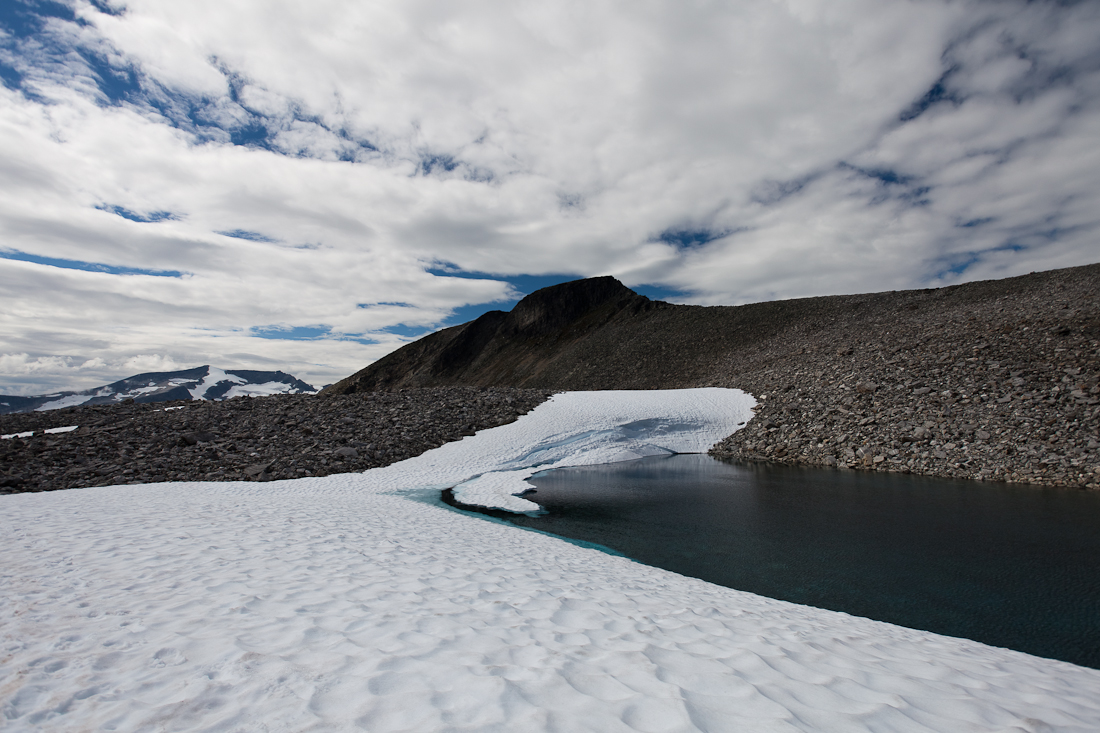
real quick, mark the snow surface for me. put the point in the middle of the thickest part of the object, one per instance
(257, 390)
(70, 401)
(361, 602)
(26, 434)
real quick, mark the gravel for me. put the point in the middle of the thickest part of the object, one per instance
(255, 439)
(977, 385)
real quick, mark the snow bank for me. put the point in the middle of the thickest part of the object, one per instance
(360, 602)
(582, 428)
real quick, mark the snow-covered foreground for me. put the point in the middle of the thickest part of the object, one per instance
(359, 602)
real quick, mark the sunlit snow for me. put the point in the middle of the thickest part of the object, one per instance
(361, 602)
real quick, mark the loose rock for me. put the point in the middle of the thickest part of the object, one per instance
(258, 439)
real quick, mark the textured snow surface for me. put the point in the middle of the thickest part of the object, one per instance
(359, 602)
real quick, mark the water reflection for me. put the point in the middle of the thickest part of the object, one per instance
(1008, 566)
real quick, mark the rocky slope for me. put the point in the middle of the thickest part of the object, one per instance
(283, 436)
(993, 380)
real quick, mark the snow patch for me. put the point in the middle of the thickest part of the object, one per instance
(257, 390)
(48, 431)
(70, 401)
(212, 378)
(586, 428)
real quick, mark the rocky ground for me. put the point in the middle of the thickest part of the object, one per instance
(258, 439)
(981, 382)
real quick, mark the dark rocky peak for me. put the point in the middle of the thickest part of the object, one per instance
(481, 351)
(551, 309)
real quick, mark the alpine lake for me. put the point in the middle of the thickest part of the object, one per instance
(1007, 565)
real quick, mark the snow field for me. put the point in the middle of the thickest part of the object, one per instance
(360, 602)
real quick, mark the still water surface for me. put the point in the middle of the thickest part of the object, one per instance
(1017, 567)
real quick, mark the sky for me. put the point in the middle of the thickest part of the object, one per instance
(308, 186)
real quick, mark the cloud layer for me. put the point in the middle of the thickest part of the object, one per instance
(306, 186)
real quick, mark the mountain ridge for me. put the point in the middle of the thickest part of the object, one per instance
(204, 382)
(994, 379)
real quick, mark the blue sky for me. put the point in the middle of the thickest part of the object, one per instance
(309, 186)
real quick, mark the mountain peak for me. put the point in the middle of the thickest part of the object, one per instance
(554, 307)
(498, 347)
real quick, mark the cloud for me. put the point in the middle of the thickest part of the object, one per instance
(299, 169)
(23, 364)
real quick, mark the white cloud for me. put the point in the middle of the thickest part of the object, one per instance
(530, 138)
(22, 364)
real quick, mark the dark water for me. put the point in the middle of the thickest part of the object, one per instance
(1016, 567)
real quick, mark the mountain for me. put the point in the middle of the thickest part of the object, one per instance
(200, 383)
(997, 380)
(544, 340)
(598, 334)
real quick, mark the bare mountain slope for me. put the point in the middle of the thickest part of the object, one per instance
(993, 379)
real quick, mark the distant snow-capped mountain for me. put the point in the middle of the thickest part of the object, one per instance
(200, 383)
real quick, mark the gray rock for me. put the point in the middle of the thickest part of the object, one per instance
(256, 469)
(245, 438)
(197, 437)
